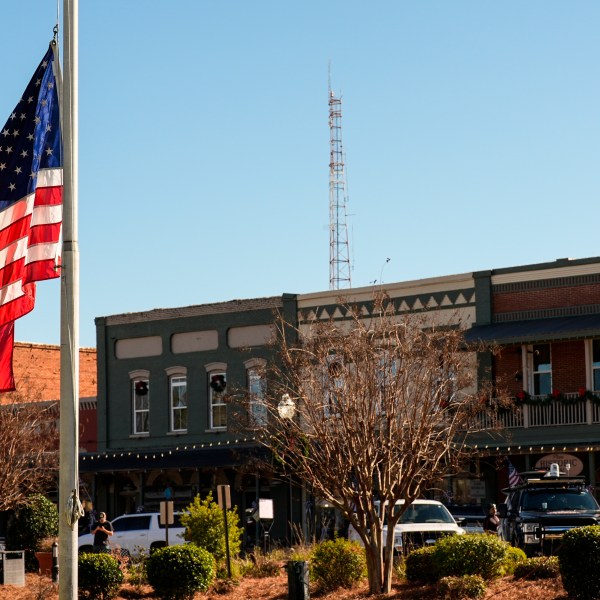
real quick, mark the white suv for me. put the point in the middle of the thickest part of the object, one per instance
(136, 532)
(423, 523)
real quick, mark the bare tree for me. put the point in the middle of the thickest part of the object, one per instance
(380, 407)
(28, 445)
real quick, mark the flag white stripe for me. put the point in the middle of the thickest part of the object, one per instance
(46, 215)
(16, 211)
(11, 292)
(13, 252)
(49, 178)
(42, 252)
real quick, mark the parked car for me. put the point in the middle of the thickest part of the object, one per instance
(423, 523)
(538, 512)
(136, 532)
(469, 516)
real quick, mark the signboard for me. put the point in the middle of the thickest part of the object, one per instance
(265, 509)
(477, 489)
(166, 513)
(224, 496)
(562, 460)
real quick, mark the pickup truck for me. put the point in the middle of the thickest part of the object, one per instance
(137, 532)
(538, 512)
(423, 523)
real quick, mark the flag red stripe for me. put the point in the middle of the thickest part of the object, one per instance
(7, 380)
(10, 311)
(44, 234)
(47, 196)
(15, 231)
(41, 270)
(11, 273)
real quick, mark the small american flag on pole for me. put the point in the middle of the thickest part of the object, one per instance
(30, 203)
(514, 478)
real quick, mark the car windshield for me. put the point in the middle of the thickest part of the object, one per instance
(426, 513)
(557, 500)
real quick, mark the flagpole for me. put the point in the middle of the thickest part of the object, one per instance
(69, 328)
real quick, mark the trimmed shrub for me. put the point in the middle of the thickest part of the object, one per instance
(538, 567)
(205, 526)
(578, 559)
(514, 557)
(470, 554)
(33, 521)
(466, 586)
(99, 576)
(338, 563)
(178, 572)
(420, 565)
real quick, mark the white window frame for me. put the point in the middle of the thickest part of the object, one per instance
(216, 400)
(257, 388)
(136, 410)
(177, 379)
(531, 350)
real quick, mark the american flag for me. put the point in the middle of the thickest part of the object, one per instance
(30, 203)
(514, 478)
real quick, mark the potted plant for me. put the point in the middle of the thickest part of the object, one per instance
(43, 554)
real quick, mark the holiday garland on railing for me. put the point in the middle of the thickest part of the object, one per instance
(589, 395)
(524, 397)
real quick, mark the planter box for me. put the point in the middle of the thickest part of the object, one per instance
(13, 567)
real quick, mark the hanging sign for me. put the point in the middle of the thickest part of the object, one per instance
(575, 464)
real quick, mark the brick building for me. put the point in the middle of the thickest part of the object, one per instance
(546, 320)
(37, 377)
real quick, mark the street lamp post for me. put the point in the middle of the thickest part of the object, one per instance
(287, 409)
(298, 576)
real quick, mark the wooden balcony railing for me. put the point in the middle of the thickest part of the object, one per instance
(570, 411)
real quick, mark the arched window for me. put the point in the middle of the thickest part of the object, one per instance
(140, 402)
(217, 383)
(178, 407)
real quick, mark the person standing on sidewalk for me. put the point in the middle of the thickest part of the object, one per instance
(102, 530)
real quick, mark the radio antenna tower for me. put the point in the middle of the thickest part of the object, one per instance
(339, 251)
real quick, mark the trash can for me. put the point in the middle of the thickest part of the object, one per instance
(13, 567)
(298, 580)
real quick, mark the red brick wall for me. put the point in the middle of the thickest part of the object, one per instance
(543, 298)
(568, 366)
(37, 377)
(38, 366)
(507, 366)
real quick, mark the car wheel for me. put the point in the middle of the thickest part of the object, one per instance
(156, 545)
(85, 549)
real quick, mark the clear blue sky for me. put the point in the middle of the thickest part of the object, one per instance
(471, 129)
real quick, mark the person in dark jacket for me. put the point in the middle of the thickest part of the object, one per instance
(102, 530)
(491, 521)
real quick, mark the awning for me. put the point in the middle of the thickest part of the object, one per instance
(536, 330)
(209, 456)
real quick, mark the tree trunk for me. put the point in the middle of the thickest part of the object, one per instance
(388, 567)
(374, 568)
